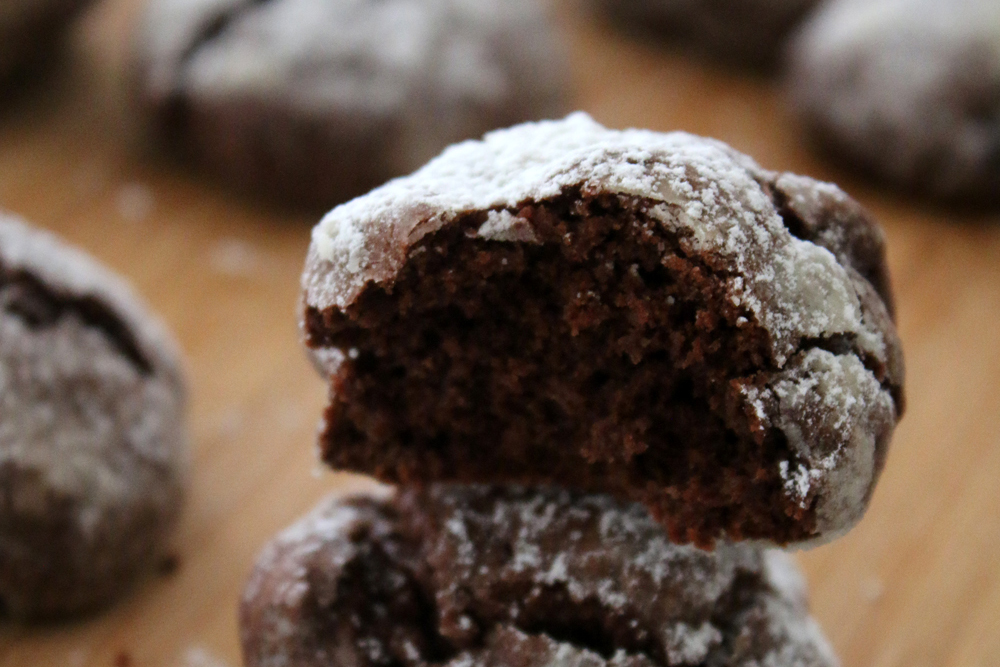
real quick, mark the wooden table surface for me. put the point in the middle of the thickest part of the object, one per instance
(915, 584)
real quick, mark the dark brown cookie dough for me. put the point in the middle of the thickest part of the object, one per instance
(907, 90)
(91, 430)
(318, 101)
(746, 32)
(478, 576)
(648, 315)
(28, 28)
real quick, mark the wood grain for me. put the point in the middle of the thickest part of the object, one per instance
(915, 584)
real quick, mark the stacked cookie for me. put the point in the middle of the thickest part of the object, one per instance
(539, 329)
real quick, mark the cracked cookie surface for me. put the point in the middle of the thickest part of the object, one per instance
(647, 315)
(908, 90)
(317, 101)
(91, 430)
(515, 577)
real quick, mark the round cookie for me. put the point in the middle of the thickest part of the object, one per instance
(317, 101)
(30, 27)
(747, 32)
(91, 430)
(908, 90)
(648, 315)
(491, 577)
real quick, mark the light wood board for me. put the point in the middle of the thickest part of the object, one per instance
(915, 584)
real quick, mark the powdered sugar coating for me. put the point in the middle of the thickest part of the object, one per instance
(699, 188)
(906, 89)
(91, 428)
(832, 411)
(532, 577)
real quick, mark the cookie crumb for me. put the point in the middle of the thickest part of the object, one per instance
(872, 589)
(135, 202)
(169, 565)
(236, 258)
(196, 656)
(77, 658)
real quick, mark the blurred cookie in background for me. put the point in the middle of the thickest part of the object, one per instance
(29, 28)
(744, 32)
(316, 101)
(908, 90)
(92, 446)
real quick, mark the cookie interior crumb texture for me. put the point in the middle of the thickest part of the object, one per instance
(318, 101)
(469, 577)
(92, 450)
(649, 315)
(908, 90)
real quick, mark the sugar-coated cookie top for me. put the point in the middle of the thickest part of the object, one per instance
(845, 23)
(375, 57)
(91, 386)
(74, 274)
(906, 89)
(709, 194)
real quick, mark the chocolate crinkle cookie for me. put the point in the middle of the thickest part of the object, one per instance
(91, 433)
(648, 315)
(746, 32)
(513, 577)
(908, 90)
(29, 28)
(317, 101)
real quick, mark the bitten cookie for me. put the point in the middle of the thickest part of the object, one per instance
(481, 577)
(908, 90)
(30, 27)
(317, 101)
(648, 315)
(91, 430)
(748, 32)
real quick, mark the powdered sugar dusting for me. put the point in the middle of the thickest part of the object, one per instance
(698, 188)
(494, 555)
(829, 407)
(91, 430)
(905, 88)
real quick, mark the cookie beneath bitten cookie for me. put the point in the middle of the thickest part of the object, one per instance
(316, 101)
(92, 446)
(649, 315)
(908, 90)
(491, 577)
